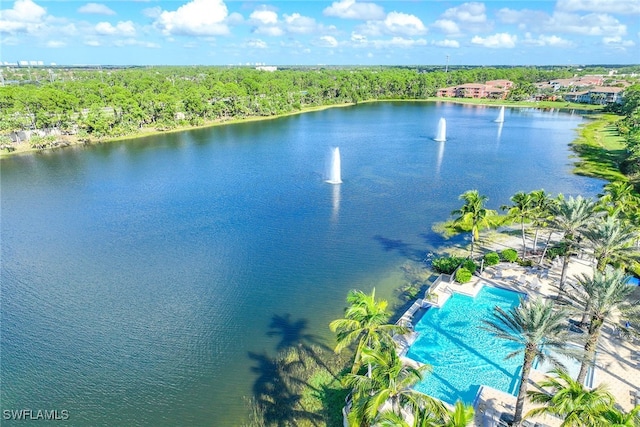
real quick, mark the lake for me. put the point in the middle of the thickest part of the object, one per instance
(140, 279)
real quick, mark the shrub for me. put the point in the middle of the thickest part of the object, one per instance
(559, 249)
(463, 275)
(469, 265)
(446, 265)
(524, 262)
(492, 258)
(509, 255)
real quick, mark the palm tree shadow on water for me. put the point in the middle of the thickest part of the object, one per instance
(282, 392)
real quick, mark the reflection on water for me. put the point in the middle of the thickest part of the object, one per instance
(500, 125)
(440, 156)
(335, 202)
(138, 277)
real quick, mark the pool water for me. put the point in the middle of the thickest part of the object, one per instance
(463, 355)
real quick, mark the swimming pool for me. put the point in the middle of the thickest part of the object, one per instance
(463, 355)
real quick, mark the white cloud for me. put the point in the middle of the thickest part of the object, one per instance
(235, 19)
(134, 42)
(270, 30)
(395, 23)
(496, 41)
(358, 38)
(152, 12)
(122, 28)
(446, 43)
(265, 22)
(617, 42)
(471, 13)
(350, 9)
(257, 43)
(447, 26)
(96, 8)
(399, 42)
(361, 41)
(625, 7)
(197, 18)
(593, 24)
(328, 41)
(68, 30)
(25, 16)
(267, 17)
(468, 17)
(93, 43)
(402, 23)
(522, 17)
(56, 44)
(299, 24)
(542, 40)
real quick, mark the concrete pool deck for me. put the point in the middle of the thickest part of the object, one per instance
(615, 367)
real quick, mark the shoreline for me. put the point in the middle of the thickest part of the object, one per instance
(73, 140)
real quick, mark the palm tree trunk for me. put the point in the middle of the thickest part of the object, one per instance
(589, 349)
(473, 240)
(546, 246)
(524, 241)
(529, 355)
(563, 276)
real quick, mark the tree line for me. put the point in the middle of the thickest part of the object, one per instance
(117, 102)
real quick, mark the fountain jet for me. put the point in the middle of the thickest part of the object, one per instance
(442, 130)
(500, 118)
(334, 167)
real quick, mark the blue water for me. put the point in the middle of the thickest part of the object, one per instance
(463, 355)
(151, 282)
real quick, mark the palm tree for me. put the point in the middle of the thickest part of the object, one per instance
(542, 204)
(612, 241)
(603, 297)
(390, 381)
(619, 196)
(426, 412)
(613, 417)
(461, 416)
(365, 324)
(473, 215)
(522, 209)
(567, 398)
(533, 324)
(570, 216)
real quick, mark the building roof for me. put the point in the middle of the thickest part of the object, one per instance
(607, 90)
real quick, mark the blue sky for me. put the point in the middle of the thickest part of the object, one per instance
(344, 32)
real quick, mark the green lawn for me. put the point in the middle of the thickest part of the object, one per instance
(600, 149)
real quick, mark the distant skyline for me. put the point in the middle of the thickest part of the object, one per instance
(344, 32)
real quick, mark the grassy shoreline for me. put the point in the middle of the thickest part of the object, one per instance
(600, 149)
(73, 140)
